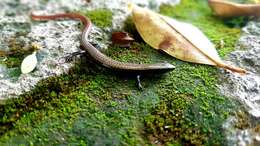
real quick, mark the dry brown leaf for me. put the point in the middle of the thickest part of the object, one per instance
(122, 39)
(181, 40)
(224, 8)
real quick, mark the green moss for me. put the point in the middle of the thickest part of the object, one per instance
(11, 62)
(100, 17)
(191, 109)
(17, 49)
(17, 53)
(86, 106)
(92, 105)
(14, 58)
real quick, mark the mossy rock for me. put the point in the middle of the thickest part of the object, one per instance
(94, 106)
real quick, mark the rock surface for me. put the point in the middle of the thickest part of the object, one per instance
(55, 38)
(245, 88)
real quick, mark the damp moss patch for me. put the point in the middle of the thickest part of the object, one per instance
(13, 58)
(191, 109)
(100, 17)
(94, 106)
(78, 109)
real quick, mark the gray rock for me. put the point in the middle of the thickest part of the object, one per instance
(245, 88)
(241, 137)
(55, 38)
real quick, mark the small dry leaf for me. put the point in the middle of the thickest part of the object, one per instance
(224, 8)
(181, 40)
(122, 39)
(29, 63)
(3, 53)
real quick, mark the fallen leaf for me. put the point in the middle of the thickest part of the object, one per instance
(29, 63)
(122, 39)
(181, 40)
(224, 8)
(3, 53)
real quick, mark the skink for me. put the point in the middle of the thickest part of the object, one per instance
(98, 56)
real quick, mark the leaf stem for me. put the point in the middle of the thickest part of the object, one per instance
(234, 69)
